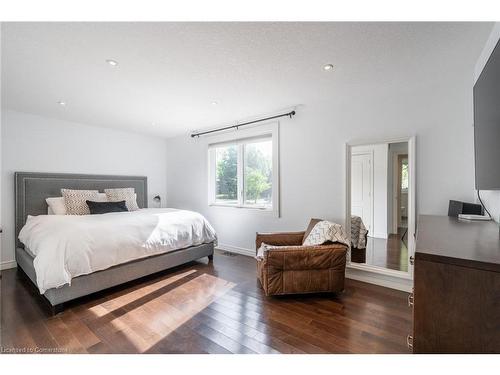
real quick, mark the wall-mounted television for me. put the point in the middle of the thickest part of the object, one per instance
(487, 124)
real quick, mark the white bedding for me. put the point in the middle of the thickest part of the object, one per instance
(67, 246)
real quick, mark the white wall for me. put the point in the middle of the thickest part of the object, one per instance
(491, 199)
(312, 153)
(36, 144)
(379, 152)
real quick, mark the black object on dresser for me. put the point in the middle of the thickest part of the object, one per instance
(456, 301)
(456, 208)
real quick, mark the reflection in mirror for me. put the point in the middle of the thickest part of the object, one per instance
(379, 205)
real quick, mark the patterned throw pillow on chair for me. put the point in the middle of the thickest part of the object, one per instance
(326, 231)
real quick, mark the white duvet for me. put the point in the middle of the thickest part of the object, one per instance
(67, 246)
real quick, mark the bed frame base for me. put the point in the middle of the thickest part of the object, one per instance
(57, 309)
(120, 274)
(42, 300)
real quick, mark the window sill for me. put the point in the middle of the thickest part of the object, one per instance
(264, 210)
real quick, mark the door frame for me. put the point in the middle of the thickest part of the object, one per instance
(375, 274)
(372, 186)
(396, 183)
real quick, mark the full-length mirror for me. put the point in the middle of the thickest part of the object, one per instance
(381, 204)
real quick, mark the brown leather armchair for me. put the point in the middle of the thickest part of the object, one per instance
(297, 269)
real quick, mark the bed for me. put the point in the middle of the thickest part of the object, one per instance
(31, 189)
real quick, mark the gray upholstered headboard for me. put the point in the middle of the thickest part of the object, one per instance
(33, 188)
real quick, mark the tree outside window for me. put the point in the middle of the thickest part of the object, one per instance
(226, 178)
(256, 173)
(404, 174)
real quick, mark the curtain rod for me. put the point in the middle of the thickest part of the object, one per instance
(289, 114)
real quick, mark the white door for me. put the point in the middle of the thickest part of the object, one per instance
(361, 188)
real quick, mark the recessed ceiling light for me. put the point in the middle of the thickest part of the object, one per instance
(61, 103)
(112, 62)
(328, 67)
(215, 103)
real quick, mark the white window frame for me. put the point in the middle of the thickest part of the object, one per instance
(240, 137)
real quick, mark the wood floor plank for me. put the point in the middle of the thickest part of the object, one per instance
(288, 336)
(81, 331)
(63, 336)
(206, 307)
(226, 342)
(262, 337)
(235, 334)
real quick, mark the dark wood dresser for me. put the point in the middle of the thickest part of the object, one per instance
(456, 299)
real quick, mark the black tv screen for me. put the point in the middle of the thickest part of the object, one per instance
(487, 124)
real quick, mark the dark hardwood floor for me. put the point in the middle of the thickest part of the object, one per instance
(205, 308)
(391, 253)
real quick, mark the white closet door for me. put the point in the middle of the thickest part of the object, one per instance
(361, 188)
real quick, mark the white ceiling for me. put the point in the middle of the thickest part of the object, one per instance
(170, 73)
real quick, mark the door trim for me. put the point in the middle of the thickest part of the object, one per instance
(396, 182)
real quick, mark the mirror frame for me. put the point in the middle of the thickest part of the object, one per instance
(411, 205)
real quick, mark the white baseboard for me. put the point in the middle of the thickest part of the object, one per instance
(392, 282)
(236, 250)
(380, 235)
(8, 264)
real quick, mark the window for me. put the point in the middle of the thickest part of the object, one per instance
(404, 174)
(243, 171)
(226, 172)
(258, 173)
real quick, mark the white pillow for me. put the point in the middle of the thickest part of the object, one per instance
(101, 197)
(56, 205)
(262, 249)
